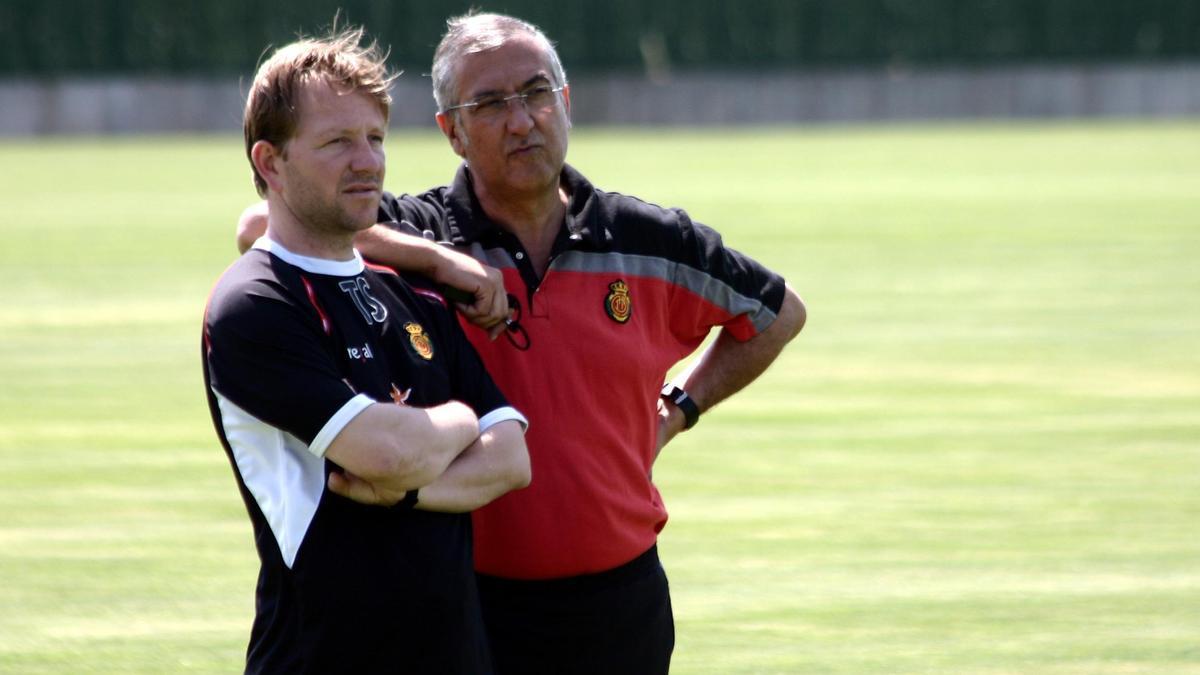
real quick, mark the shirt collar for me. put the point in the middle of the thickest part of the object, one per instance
(333, 268)
(466, 221)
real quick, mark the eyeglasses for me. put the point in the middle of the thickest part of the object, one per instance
(513, 330)
(492, 107)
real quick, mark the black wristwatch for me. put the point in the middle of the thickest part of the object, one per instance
(679, 397)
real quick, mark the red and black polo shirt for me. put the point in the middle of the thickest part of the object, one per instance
(632, 288)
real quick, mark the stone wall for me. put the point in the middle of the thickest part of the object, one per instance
(149, 105)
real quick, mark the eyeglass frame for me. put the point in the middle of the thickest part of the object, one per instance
(513, 327)
(523, 97)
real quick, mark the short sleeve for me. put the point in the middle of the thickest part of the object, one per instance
(266, 354)
(411, 215)
(717, 285)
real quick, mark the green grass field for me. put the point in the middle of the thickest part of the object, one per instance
(981, 456)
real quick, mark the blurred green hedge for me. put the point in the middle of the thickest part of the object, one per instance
(220, 37)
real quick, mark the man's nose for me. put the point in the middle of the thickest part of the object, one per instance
(519, 120)
(368, 156)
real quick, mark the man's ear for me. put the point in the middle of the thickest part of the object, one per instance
(266, 158)
(447, 122)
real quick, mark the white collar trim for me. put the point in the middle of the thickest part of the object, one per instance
(333, 268)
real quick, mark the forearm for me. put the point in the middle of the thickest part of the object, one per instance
(489, 302)
(379, 243)
(496, 463)
(488, 306)
(449, 432)
(416, 254)
(727, 366)
(397, 250)
(398, 448)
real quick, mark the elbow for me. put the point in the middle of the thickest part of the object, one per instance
(510, 465)
(521, 474)
(793, 313)
(801, 317)
(251, 225)
(517, 471)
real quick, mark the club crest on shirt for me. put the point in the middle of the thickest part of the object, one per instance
(420, 340)
(618, 304)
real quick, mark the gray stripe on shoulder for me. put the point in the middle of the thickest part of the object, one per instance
(702, 284)
(617, 263)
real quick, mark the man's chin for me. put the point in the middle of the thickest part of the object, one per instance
(531, 173)
(364, 213)
(360, 224)
(355, 221)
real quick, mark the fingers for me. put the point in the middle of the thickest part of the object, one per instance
(353, 487)
(499, 306)
(490, 316)
(496, 330)
(486, 305)
(491, 301)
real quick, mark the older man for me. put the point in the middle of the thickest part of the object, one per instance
(607, 293)
(360, 423)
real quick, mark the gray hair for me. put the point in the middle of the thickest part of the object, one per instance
(472, 33)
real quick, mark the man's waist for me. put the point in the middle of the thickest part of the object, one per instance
(643, 564)
(549, 533)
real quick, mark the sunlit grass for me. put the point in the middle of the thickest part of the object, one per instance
(981, 456)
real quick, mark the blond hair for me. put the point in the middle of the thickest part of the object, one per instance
(339, 59)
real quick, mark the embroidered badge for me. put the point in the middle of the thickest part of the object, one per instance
(420, 340)
(618, 305)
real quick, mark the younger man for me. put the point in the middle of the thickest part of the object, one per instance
(360, 423)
